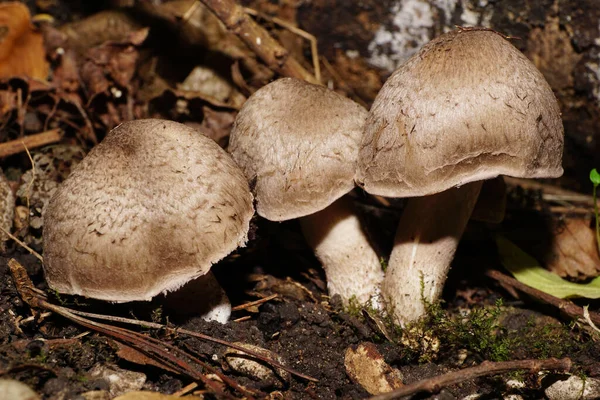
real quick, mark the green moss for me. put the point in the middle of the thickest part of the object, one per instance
(354, 308)
(157, 314)
(538, 339)
(383, 263)
(477, 331)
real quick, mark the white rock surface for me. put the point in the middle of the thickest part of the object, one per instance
(11, 389)
(574, 388)
(245, 364)
(119, 381)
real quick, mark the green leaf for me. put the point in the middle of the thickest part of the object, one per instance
(595, 177)
(528, 271)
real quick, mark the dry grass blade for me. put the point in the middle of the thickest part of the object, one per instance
(254, 303)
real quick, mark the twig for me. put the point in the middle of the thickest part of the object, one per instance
(185, 390)
(22, 244)
(30, 141)
(302, 33)
(255, 302)
(551, 192)
(486, 368)
(568, 307)
(21, 278)
(258, 39)
(588, 319)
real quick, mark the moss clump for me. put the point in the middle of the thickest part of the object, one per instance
(541, 337)
(384, 264)
(355, 309)
(439, 332)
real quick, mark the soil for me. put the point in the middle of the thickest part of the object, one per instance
(477, 320)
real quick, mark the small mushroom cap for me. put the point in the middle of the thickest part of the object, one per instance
(298, 143)
(150, 208)
(469, 106)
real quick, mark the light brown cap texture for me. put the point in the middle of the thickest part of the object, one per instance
(298, 143)
(150, 208)
(469, 106)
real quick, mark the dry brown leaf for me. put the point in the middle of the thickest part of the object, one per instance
(105, 26)
(217, 124)
(112, 63)
(132, 355)
(22, 51)
(574, 251)
(366, 366)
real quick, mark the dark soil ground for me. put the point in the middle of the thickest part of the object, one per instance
(477, 320)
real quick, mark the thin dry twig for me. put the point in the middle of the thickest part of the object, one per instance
(258, 39)
(185, 390)
(22, 244)
(551, 193)
(568, 307)
(302, 33)
(486, 368)
(16, 146)
(255, 302)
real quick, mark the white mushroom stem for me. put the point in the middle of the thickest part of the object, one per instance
(351, 265)
(426, 240)
(203, 297)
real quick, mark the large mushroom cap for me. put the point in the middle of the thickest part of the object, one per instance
(150, 208)
(298, 142)
(469, 106)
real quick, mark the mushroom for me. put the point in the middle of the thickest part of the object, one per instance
(298, 143)
(150, 208)
(468, 107)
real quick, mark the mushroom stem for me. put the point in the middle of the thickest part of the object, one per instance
(351, 265)
(203, 297)
(426, 240)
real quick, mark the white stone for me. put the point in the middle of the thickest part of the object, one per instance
(119, 381)
(574, 388)
(11, 389)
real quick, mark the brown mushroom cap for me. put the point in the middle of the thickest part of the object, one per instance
(150, 208)
(469, 106)
(299, 143)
